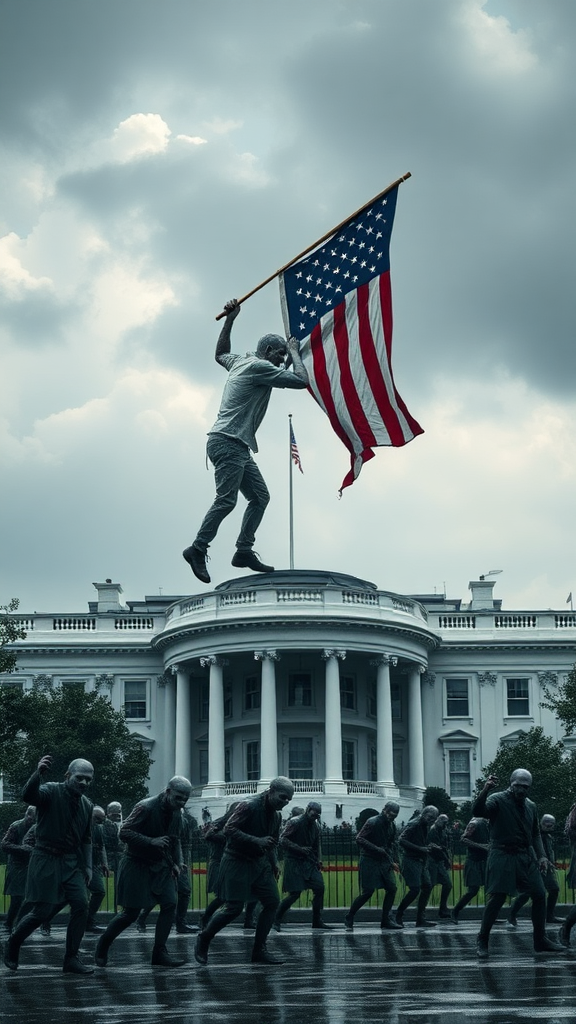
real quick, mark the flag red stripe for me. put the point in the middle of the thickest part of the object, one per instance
(386, 306)
(353, 403)
(323, 384)
(372, 364)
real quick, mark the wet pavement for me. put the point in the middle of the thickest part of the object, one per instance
(334, 977)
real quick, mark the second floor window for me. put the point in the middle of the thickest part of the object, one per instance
(300, 690)
(348, 693)
(348, 759)
(300, 757)
(518, 698)
(135, 703)
(253, 760)
(457, 704)
(251, 693)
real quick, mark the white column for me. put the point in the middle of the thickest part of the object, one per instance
(333, 781)
(215, 725)
(183, 746)
(415, 729)
(167, 686)
(268, 718)
(384, 739)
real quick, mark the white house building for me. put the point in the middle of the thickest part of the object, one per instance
(356, 693)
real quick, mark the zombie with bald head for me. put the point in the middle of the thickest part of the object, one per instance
(379, 857)
(60, 865)
(416, 847)
(100, 870)
(233, 437)
(18, 855)
(149, 869)
(440, 861)
(300, 841)
(517, 859)
(549, 876)
(249, 868)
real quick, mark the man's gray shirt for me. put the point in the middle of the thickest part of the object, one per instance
(246, 395)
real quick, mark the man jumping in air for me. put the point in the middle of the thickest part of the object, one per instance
(233, 437)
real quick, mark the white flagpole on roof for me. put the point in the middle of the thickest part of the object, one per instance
(291, 492)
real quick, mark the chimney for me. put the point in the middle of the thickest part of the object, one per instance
(109, 597)
(481, 595)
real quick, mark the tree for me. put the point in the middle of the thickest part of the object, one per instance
(438, 797)
(10, 630)
(67, 723)
(552, 768)
(563, 702)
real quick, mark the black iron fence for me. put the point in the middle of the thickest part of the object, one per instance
(340, 863)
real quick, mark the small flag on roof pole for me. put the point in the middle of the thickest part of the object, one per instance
(337, 303)
(294, 450)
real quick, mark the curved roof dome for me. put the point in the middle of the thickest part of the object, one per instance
(297, 578)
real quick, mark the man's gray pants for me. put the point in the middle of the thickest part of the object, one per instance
(234, 471)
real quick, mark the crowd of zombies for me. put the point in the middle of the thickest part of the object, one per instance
(61, 852)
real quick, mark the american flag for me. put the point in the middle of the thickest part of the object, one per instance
(294, 450)
(337, 303)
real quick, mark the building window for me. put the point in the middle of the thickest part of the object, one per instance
(251, 693)
(373, 765)
(204, 695)
(81, 683)
(348, 759)
(398, 766)
(396, 700)
(15, 684)
(372, 699)
(253, 760)
(135, 698)
(227, 700)
(300, 690)
(203, 766)
(518, 697)
(457, 703)
(459, 771)
(227, 762)
(300, 758)
(348, 693)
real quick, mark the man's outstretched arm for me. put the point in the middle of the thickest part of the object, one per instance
(299, 368)
(232, 308)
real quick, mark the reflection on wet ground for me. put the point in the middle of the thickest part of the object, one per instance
(331, 977)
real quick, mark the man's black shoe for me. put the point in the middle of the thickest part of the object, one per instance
(324, 926)
(423, 923)
(250, 560)
(349, 923)
(389, 925)
(554, 920)
(512, 922)
(74, 965)
(160, 958)
(262, 956)
(201, 949)
(564, 935)
(10, 958)
(186, 929)
(454, 917)
(197, 561)
(547, 946)
(277, 926)
(100, 954)
(482, 949)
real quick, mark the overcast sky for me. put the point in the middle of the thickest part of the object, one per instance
(161, 156)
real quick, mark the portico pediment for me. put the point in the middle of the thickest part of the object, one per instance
(458, 735)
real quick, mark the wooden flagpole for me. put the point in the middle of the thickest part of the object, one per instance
(320, 240)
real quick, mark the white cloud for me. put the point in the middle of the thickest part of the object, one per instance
(15, 279)
(192, 140)
(498, 49)
(139, 135)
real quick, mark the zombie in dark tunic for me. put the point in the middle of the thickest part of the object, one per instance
(440, 861)
(60, 864)
(415, 849)
(476, 837)
(549, 877)
(249, 868)
(378, 842)
(100, 870)
(149, 869)
(183, 886)
(16, 864)
(300, 842)
(516, 856)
